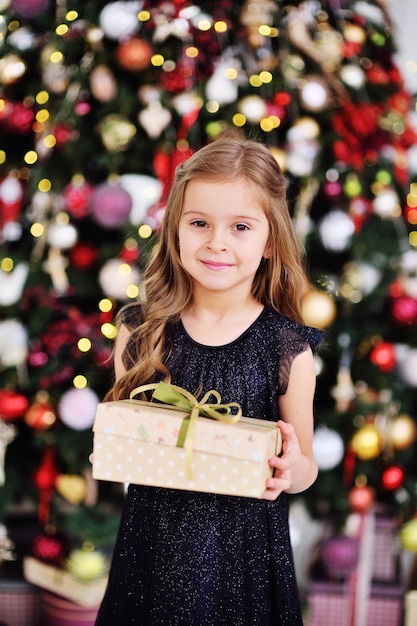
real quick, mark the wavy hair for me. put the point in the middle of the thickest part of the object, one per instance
(279, 283)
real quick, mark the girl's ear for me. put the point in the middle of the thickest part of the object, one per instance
(267, 253)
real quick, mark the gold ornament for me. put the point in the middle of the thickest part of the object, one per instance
(319, 308)
(71, 487)
(402, 432)
(367, 442)
(117, 132)
(86, 563)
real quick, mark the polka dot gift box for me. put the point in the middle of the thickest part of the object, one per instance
(180, 447)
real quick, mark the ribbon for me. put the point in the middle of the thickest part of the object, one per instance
(181, 398)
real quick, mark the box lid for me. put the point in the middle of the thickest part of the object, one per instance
(249, 438)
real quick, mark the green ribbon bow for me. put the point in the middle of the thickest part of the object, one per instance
(181, 398)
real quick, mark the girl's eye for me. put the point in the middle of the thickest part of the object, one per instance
(199, 223)
(241, 227)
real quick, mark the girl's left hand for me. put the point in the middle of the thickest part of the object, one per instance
(283, 465)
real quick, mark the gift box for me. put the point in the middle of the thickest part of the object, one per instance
(57, 611)
(332, 604)
(138, 442)
(20, 603)
(386, 550)
(62, 583)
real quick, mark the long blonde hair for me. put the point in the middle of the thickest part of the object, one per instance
(280, 281)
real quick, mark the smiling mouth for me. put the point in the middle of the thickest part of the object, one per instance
(216, 265)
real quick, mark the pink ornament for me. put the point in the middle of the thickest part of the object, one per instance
(404, 310)
(29, 8)
(340, 556)
(110, 205)
(77, 408)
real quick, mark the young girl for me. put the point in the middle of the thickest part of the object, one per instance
(222, 312)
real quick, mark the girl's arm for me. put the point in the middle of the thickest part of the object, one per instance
(295, 470)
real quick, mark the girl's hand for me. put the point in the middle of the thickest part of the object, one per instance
(284, 466)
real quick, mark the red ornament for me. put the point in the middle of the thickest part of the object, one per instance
(40, 414)
(12, 404)
(50, 549)
(44, 479)
(383, 356)
(392, 477)
(83, 255)
(134, 54)
(361, 499)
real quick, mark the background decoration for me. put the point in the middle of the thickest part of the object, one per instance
(99, 102)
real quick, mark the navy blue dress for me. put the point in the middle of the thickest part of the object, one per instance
(196, 559)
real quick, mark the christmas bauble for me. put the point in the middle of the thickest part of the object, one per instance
(392, 477)
(77, 408)
(12, 404)
(40, 414)
(110, 205)
(144, 192)
(367, 442)
(116, 132)
(13, 343)
(336, 230)
(319, 309)
(408, 535)
(77, 195)
(83, 255)
(383, 356)
(30, 8)
(328, 448)
(103, 84)
(71, 487)
(404, 309)
(402, 431)
(50, 549)
(339, 556)
(134, 54)
(361, 499)
(119, 20)
(62, 236)
(116, 276)
(86, 563)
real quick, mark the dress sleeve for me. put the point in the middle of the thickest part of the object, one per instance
(131, 317)
(294, 339)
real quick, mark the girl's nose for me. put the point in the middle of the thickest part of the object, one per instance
(216, 241)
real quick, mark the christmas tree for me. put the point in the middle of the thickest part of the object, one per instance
(99, 102)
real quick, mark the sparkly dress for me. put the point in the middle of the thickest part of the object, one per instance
(197, 559)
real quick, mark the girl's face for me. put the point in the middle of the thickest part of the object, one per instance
(223, 235)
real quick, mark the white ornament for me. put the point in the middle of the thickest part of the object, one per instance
(144, 191)
(77, 408)
(253, 108)
(336, 230)
(119, 20)
(154, 119)
(328, 448)
(314, 95)
(116, 276)
(62, 236)
(12, 284)
(13, 343)
(353, 76)
(407, 363)
(219, 88)
(386, 203)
